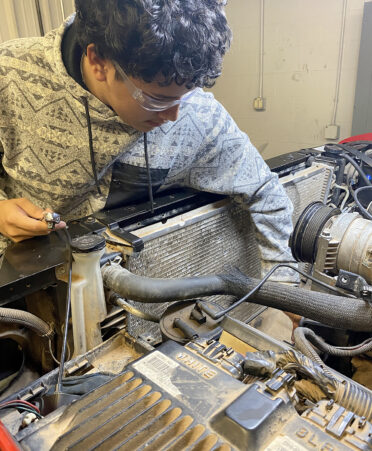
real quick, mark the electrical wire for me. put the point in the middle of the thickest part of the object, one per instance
(20, 404)
(222, 313)
(363, 210)
(52, 353)
(367, 160)
(68, 307)
(358, 168)
(20, 401)
(347, 194)
(22, 408)
(149, 181)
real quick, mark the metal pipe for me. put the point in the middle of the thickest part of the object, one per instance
(39, 17)
(339, 67)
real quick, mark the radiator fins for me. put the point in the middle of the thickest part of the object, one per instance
(202, 248)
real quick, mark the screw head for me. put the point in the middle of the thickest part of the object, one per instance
(330, 404)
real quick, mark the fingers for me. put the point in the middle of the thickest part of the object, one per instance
(20, 219)
(30, 209)
(60, 225)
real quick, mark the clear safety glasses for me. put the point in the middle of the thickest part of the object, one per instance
(146, 101)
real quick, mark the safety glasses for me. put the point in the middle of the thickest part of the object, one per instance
(146, 101)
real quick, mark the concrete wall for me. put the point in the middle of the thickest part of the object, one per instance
(300, 67)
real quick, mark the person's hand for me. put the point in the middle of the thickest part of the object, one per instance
(20, 219)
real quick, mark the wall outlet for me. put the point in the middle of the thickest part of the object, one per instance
(259, 104)
(332, 131)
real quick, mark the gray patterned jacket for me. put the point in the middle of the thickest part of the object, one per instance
(44, 141)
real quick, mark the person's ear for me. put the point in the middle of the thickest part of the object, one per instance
(99, 66)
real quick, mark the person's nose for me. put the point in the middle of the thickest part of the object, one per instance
(171, 114)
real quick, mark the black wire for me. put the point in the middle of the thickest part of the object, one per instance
(361, 155)
(149, 182)
(358, 168)
(91, 151)
(68, 307)
(364, 211)
(351, 160)
(220, 314)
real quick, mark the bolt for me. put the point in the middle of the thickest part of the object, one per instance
(330, 404)
(90, 220)
(344, 280)
(362, 422)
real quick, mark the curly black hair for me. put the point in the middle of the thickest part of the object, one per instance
(183, 40)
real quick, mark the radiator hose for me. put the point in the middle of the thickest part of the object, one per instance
(145, 289)
(336, 311)
(22, 318)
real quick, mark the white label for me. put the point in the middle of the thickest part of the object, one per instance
(284, 444)
(159, 368)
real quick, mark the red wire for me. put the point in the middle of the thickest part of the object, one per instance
(19, 401)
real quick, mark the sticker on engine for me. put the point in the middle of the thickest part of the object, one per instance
(159, 369)
(284, 444)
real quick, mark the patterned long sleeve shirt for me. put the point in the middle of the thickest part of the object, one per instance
(46, 156)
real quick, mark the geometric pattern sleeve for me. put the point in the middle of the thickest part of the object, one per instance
(3, 196)
(227, 163)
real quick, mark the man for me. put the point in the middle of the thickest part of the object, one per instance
(114, 92)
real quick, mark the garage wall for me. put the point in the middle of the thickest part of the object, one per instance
(301, 42)
(19, 18)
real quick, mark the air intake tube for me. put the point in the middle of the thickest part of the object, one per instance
(335, 311)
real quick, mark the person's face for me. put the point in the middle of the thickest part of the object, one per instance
(132, 113)
(100, 77)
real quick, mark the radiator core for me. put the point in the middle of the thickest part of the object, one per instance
(211, 238)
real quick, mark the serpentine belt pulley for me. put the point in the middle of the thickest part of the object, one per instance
(304, 239)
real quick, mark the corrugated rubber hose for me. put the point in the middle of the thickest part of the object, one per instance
(336, 311)
(22, 318)
(304, 336)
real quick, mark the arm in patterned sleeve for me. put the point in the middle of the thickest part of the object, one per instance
(3, 241)
(3, 196)
(228, 163)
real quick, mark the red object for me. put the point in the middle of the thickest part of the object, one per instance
(19, 401)
(7, 442)
(365, 137)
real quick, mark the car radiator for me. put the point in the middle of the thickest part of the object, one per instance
(211, 238)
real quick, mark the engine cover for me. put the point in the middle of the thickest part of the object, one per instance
(172, 398)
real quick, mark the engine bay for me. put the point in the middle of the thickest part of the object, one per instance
(160, 351)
